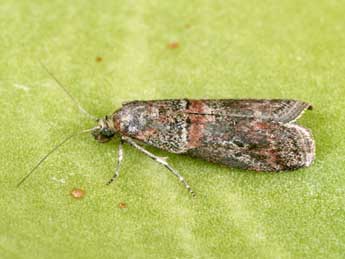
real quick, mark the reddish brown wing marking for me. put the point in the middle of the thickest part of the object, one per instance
(255, 145)
(277, 110)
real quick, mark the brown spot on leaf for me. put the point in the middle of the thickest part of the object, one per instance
(77, 193)
(122, 205)
(99, 59)
(173, 45)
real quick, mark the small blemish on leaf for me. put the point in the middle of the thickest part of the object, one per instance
(22, 87)
(58, 180)
(173, 45)
(77, 193)
(122, 205)
(99, 59)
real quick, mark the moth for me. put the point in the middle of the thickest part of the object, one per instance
(252, 134)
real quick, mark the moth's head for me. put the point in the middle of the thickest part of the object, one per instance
(103, 132)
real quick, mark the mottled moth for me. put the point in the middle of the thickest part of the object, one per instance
(252, 134)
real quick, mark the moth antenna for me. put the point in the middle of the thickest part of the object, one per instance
(81, 109)
(52, 151)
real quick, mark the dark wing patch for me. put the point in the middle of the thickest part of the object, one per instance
(256, 145)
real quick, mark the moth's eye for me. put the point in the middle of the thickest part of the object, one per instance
(107, 133)
(100, 136)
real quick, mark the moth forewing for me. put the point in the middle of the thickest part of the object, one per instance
(249, 134)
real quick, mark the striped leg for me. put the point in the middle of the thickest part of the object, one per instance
(119, 160)
(161, 161)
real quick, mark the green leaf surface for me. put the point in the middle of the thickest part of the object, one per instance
(110, 52)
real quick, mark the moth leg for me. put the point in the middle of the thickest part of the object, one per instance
(161, 161)
(118, 165)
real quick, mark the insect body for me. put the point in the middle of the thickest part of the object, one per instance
(251, 134)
